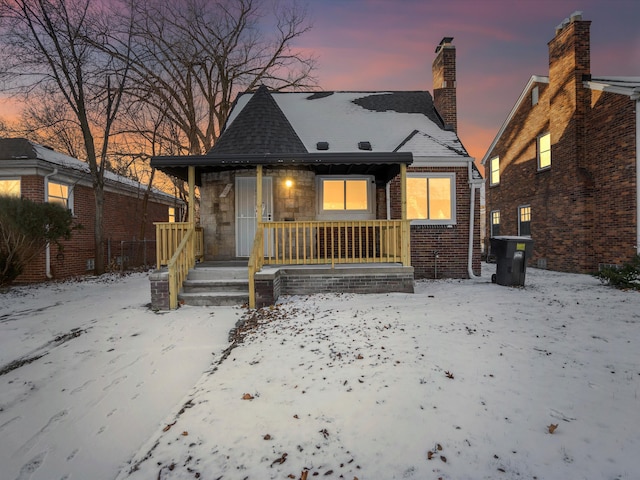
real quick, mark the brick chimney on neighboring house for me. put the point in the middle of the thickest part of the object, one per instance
(444, 83)
(569, 100)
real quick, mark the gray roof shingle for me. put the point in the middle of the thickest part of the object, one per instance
(259, 128)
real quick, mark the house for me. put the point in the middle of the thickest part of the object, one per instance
(335, 166)
(563, 168)
(40, 174)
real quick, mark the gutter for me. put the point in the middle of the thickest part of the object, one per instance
(47, 251)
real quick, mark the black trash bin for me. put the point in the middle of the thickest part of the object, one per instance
(512, 254)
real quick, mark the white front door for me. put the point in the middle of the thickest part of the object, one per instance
(246, 218)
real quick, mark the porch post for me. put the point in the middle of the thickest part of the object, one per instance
(403, 190)
(192, 194)
(259, 194)
(405, 228)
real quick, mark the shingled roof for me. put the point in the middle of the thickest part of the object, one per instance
(259, 128)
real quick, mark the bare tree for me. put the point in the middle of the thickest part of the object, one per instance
(49, 49)
(190, 59)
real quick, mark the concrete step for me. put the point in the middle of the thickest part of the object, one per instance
(218, 273)
(222, 285)
(207, 299)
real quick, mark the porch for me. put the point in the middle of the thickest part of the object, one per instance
(287, 258)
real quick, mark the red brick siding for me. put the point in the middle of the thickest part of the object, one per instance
(122, 219)
(444, 85)
(451, 242)
(583, 207)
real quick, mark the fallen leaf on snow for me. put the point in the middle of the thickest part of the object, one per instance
(247, 396)
(280, 460)
(552, 427)
(166, 429)
(267, 437)
(449, 374)
(185, 433)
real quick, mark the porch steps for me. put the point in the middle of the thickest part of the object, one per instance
(212, 286)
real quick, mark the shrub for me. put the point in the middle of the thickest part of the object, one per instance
(26, 227)
(627, 276)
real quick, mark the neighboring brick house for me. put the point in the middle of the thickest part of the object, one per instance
(40, 174)
(311, 143)
(563, 168)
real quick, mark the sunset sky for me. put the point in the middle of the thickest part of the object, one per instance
(390, 44)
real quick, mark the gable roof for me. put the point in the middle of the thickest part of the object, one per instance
(16, 154)
(333, 132)
(629, 86)
(259, 128)
(344, 119)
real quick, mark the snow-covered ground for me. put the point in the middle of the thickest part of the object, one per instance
(461, 380)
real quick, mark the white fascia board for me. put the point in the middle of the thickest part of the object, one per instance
(523, 95)
(631, 92)
(440, 161)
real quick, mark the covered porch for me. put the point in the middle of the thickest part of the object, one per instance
(281, 246)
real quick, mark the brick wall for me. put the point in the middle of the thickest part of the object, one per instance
(444, 85)
(441, 251)
(583, 207)
(122, 221)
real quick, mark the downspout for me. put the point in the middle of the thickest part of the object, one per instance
(47, 251)
(636, 97)
(472, 215)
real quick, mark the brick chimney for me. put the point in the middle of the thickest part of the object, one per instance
(569, 100)
(444, 83)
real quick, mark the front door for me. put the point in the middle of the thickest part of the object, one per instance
(246, 218)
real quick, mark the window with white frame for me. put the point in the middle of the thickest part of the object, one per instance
(61, 194)
(534, 95)
(431, 198)
(495, 223)
(10, 187)
(346, 197)
(495, 171)
(544, 151)
(524, 220)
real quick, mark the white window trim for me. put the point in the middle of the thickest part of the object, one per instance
(520, 207)
(368, 214)
(541, 168)
(535, 95)
(19, 180)
(69, 199)
(452, 176)
(491, 182)
(491, 224)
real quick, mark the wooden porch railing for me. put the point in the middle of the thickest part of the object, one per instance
(328, 242)
(178, 245)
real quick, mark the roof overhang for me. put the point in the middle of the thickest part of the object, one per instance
(382, 165)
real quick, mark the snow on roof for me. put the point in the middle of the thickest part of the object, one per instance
(65, 161)
(334, 117)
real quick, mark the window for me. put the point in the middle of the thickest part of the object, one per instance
(495, 223)
(544, 151)
(60, 194)
(341, 197)
(431, 198)
(172, 214)
(524, 221)
(534, 95)
(495, 171)
(10, 187)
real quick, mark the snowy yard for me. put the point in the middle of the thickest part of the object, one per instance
(462, 380)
